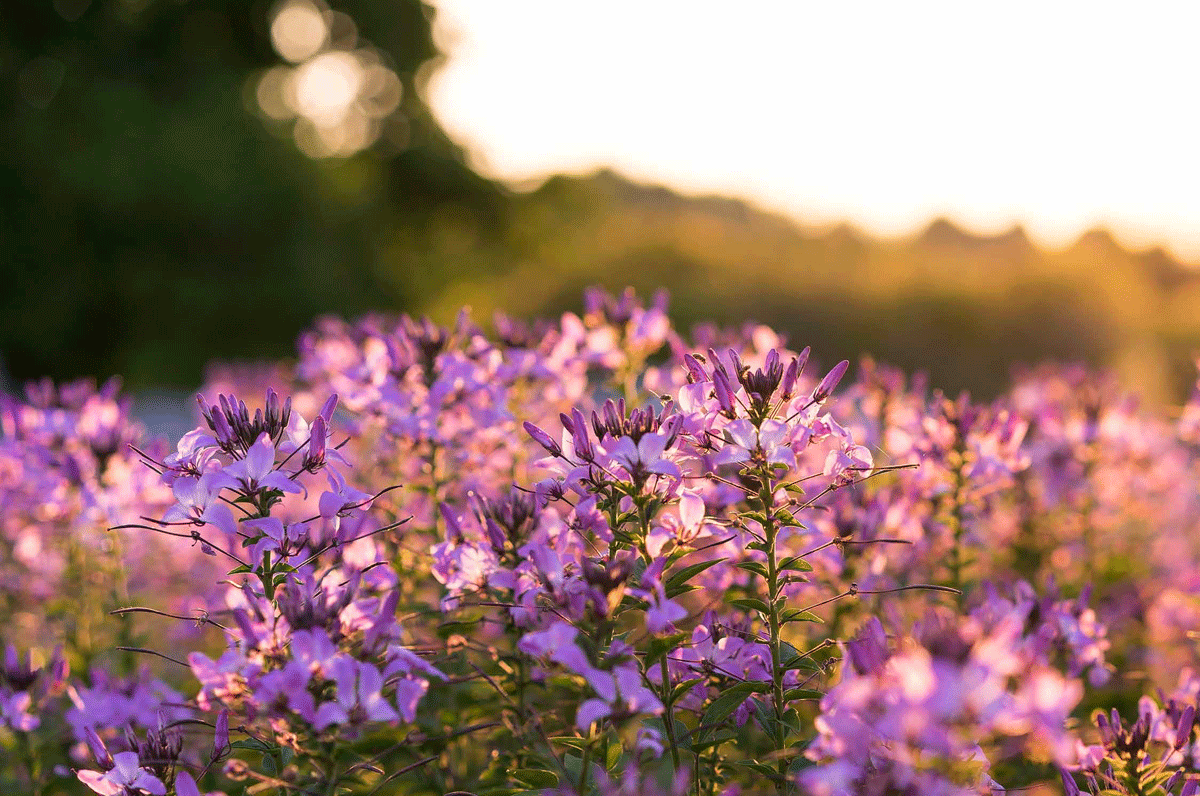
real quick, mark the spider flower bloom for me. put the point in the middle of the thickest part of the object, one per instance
(125, 777)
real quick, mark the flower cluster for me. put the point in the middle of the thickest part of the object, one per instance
(598, 555)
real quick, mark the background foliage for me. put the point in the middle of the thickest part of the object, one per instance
(139, 181)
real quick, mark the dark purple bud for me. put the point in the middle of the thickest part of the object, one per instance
(221, 736)
(736, 361)
(802, 359)
(827, 385)
(671, 429)
(579, 434)
(597, 425)
(453, 529)
(567, 423)
(60, 670)
(99, 750)
(1190, 788)
(772, 360)
(611, 418)
(328, 407)
(1184, 730)
(316, 443)
(1069, 786)
(205, 412)
(695, 369)
(495, 535)
(723, 391)
(543, 439)
(221, 427)
(716, 361)
(1106, 729)
(788, 384)
(1170, 784)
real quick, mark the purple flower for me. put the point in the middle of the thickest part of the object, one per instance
(647, 455)
(198, 503)
(745, 441)
(274, 535)
(257, 470)
(359, 696)
(622, 693)
(186, 786)
(558, 644)
(125, 777)
(848, 464)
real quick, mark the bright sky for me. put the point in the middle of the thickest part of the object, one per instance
(1057, 115)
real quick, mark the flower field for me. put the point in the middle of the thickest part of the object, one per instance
(599, 555)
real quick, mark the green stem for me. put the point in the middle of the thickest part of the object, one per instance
(957, 555)
(33, 763)
(669, 714)
(774, 624)
(587, 763)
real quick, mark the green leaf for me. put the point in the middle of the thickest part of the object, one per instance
(751, 604)
(761, 768)
(755, 567)
(660, 646)
(801, 693)
(570, 741)
(614, 756)
(682, 588)
(268, 765)
(687, 573)
(724, 705)
(798, 615)
(535, 777)
(801, 663)
(720, 738)
(795, 563)
(683, 688)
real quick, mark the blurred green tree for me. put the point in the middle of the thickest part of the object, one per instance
(151, 218)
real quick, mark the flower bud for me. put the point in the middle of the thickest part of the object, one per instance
(221, 735)
(723, 391)
(543, 439)
(788, 383)
(827, 385)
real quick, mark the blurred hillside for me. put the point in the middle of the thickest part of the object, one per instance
(962, 307)
(155, 213)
